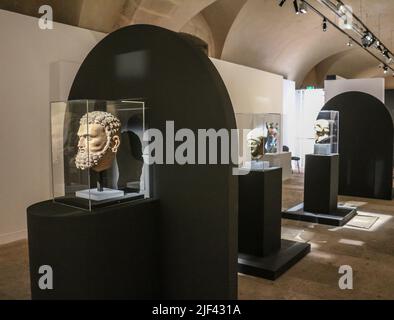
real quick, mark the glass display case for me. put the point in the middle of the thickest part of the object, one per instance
(97, 152)
(260, 134)
(326, 133)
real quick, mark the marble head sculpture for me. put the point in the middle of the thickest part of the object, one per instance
(322, 131)
(99, 140)
(272, 128)
(256, 143)
(271, 146)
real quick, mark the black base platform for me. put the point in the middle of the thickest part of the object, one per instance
(109, 253)
(274, 265)
(339, 217)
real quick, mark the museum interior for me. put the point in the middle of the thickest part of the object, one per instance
(204, 149)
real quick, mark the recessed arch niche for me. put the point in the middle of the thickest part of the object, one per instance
(365, 145)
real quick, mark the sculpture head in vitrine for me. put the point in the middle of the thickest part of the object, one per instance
(99, 140)
(322, 131)
(256, 140)
(271, 146)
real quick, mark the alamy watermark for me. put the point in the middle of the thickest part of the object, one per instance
(45, 282)
(206, 146)
(45, 22)
(346, 281)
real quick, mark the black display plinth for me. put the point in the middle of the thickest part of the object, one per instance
(338, 218)
(110, 253)
(321, 183)
(262, 253)
(273, 266)
(321, 193)
(259, 219)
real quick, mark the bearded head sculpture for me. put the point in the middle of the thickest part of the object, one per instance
(322, 131)
(256, 139)
(99, 140)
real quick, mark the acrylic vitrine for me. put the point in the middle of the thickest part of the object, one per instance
(259, 134)
(97, 152)
(326, 133)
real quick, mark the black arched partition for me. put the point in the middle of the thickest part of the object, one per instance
(198, 219)
(365, 145)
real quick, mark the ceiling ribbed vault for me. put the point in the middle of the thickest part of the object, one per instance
(256, 33)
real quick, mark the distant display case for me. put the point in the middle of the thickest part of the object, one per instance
(97, 152)
(260, 134)
(327, 133)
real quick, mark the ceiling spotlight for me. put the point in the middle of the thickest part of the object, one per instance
(385, 69)
(281, 3)
(386, 53)
(368, 39)
(303, 7)
(324, 25)
(341, 8)
(350, 43)
(296, 7)
(378, 46)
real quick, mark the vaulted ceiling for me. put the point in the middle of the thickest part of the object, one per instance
(256, 33)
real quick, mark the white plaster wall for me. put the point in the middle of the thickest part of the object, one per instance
(308, 104)
(26, 56)
(251, 90)
(374, 87)
(289, 114)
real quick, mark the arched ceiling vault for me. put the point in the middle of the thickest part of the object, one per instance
(275, 39)
(256, 33)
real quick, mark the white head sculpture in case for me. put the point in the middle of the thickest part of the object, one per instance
(256, 139)
(99, 140)
(323, 132)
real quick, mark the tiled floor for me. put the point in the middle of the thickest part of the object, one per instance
(369, 252)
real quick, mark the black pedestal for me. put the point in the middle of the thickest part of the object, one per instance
(273, 266)
(321, 194)
(259, 219)
(262, 253)
(110, 253)
(338, 218)
(321, 183)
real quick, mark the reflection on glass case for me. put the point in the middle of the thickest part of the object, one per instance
(97, 152)
(264, 137)
(326, 133)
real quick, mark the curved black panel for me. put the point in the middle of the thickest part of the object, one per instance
(178, 83)
(365, 145)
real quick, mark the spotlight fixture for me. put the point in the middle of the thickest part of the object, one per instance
(341, 8)
(378, 46)
(296, 7)
(386, 54)
(368, 39)
(281, 3)
(324, 25)
(346, 22)
(303, 8)
(385, 69)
